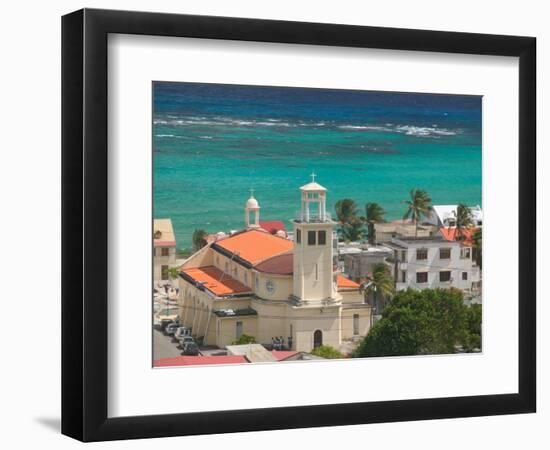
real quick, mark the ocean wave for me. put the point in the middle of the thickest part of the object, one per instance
(171, 136)
(424, 131)
(409, 130)
(364, 127)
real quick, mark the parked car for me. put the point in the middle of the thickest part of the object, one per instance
(164, 317)
(172, 327)
(191, 349)
(182, 331)
(185, 339)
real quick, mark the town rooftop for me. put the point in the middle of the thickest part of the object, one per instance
(214, 280)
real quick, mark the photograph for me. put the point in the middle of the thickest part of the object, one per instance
(309, 224)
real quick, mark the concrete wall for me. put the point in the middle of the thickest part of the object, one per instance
(226, 328)
(273, 320)
(283, 286)
(347, 320)
(359, 265)
(351, 296)
(306, 321)
(200, 259)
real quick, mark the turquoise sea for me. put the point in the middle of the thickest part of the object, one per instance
(213, 143)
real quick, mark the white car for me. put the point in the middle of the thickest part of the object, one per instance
(181, 332)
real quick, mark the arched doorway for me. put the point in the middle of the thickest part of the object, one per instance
(317, 338)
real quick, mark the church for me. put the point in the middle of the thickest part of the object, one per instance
(262, 284)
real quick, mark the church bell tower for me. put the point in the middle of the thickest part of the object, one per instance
(313, 252)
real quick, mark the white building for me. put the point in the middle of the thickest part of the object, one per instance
(445, 215)
(164, 248)
(433, 263)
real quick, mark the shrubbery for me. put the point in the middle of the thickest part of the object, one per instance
(430, 321)
(244, 339)
(326, 351)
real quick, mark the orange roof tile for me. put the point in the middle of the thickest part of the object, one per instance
(346, 283)
(450, 234)
(215, 280)
(255, 246)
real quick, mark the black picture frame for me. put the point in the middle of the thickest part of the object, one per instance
(84, 224)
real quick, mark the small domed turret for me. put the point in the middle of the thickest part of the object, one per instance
(252, 205)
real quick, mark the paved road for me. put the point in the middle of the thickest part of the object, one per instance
(163, 347)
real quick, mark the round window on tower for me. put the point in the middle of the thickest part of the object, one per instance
(270, 286)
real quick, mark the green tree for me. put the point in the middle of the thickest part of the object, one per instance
(478, 243)
(244, 339)
(464, 220)
(184, 252)
(326, 351)
(173, 273)
(346, 210)
(374, 214)
(351, 226)
(419, 205)
(472, 334)
(423, 322)
(199, 239)
(352, 231)
(380, 287)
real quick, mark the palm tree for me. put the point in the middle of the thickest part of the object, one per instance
(478, 244)
(352, 231)
(351, 226)
(346, 210)
(379, 284)
(199, 239)
(463, 220)
(420, 204)
(375, 214)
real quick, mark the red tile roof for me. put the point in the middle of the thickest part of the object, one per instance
(255, 246)
(215, 280)
(199, 360)
(161, 243)
(271, 226)
(278, 265)
(450, 234)
(346, 283)
(281, 355)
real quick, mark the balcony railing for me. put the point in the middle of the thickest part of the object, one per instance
(313, 218)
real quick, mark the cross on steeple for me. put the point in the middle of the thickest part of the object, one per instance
(251, 192)
(313, 177)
